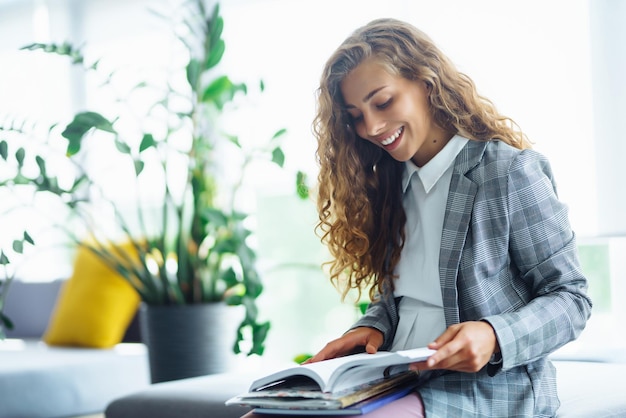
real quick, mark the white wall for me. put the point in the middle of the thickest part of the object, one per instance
(608, 64)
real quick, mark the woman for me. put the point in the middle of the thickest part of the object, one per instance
(433, 201)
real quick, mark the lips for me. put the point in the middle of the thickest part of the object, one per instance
(392, 138)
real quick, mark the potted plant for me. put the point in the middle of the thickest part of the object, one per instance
(189, 240)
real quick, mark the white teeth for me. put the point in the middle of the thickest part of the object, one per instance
(392, 138)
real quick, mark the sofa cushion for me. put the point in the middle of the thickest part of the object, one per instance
(29, 305)
(39, 381)
(591, 389)
(196, 397)
(95, 306)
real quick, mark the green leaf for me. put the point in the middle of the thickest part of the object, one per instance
(261, 331)
(278, 157)
(4, 150)
(221, 91)
(251, 309)
(279, 133)
(234, 140)
(259, 335)
(217, 88)
(215, 217)
(217, 28)
(254, 287)
(238, 216)
(41, 163)
(193, 72)
(215, 55)
(28, 238)
(139, 165)
(122, 147)
(20, 154)
(230, 278)
(363, 307)
(4, 260)
(301, 358)
(18, 246)
(83, 123)
(216, 12)
(65, 48)
(226, 246)
(236, 348)
(78, 182)
(6, 322)
(301, 187)
(147, 142)
(215, 25)
(234, 300)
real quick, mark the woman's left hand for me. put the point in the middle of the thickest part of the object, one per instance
(464, 347)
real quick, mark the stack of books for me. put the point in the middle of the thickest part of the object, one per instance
(350, 385)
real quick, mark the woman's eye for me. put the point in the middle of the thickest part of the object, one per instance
(384, 105)
(356, 118)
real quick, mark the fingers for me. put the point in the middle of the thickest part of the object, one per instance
(333, 349)
(465, 347)
(446, 347)
(418, 366)
(371, 348)
(445, 338)
(370, 338)
(373, 339)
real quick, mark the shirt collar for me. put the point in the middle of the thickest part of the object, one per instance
(432, 171)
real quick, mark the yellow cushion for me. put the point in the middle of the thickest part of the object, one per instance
(94, 308)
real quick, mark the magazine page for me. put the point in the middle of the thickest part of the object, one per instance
(342, 372)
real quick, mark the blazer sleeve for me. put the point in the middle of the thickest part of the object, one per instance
(543, 249)
(383, 316)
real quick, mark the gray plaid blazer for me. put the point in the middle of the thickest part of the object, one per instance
(508, 256)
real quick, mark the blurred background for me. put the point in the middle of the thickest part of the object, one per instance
(555, 66)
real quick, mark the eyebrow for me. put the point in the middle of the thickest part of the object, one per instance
(367, 97)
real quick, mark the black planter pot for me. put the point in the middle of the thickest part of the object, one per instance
(188, 340)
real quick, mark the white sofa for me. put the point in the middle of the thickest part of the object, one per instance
(41, 381)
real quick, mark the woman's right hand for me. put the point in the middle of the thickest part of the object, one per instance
(370, 338)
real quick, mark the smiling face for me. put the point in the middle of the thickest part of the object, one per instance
(392, 112)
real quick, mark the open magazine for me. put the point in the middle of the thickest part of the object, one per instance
(347, 385)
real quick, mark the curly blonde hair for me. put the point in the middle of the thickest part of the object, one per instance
(361, 217)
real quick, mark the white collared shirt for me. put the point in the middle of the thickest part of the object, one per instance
(425, 194)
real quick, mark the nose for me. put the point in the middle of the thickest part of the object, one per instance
(374, 125)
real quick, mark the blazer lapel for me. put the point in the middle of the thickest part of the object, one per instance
(456, 225)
